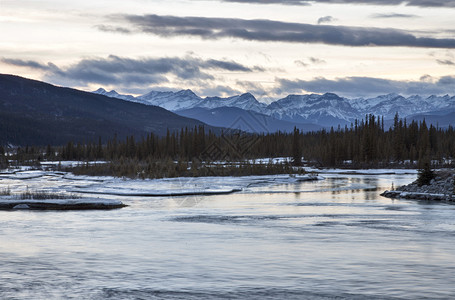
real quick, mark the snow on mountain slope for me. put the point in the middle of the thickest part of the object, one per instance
(172, 101)
(441, 102)
(314, 108)
(114, 94)
(245, 101)
(186, 99)
(327, 110)
(389, 105)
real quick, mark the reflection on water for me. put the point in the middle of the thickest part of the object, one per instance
(330, 239)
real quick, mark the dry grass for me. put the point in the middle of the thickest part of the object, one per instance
(42, 195)
(5, 192)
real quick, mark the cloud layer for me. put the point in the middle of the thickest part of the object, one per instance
(394, 15)
(369, 86)
(419, 3)
(326, 19)
(126, 71)
(272, 31)
(140, 74)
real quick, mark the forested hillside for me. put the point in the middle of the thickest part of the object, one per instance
(37, 113)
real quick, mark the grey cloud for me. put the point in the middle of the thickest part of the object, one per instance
(316, 60)
(216, 90)
(368, 86)
(252, 87)
(116, 29)
(26, 63)
(127, 71)
(445, 62)
(231, 66)
(284, 2)
(447, 81)
(426, 77)
(326, 19)
(419, 3)
(142, 89)
(311, 60)
(275, 31)
(393, 15)
(301, 63)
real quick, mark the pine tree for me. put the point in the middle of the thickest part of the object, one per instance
(50, 153)
(3, 159)
(426, 174)
(296, 151)
(453, 187)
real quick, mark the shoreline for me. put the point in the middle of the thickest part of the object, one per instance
(59, 204)
(441, 188)
(418, 196)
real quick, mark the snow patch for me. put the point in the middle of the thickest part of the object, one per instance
(21, 206)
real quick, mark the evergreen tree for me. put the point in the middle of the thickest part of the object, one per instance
(50, 152)
(426, 174)
(453, 187)
(296, 151)
(3, 159)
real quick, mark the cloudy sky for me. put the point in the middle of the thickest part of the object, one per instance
(270, 48)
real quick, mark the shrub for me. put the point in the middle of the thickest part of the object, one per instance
(425, 174)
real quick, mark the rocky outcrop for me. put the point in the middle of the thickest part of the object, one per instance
(441, 188)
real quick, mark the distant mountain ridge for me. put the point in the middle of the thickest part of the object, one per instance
(324, 110)
(245, 120)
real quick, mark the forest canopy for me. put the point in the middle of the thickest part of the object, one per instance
(365, 143)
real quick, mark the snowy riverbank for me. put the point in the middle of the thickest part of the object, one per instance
(60, 204)
(441, 188)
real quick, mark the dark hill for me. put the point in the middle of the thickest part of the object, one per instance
(441, 119)
(34, 112)
(246, 120)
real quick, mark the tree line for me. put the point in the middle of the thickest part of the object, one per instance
(365, 143)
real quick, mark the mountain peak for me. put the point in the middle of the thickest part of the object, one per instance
(186, 92)
(248, 96)
(331, 95)
(153, 93)
(173, 101)
(100, 91)
(114, 94)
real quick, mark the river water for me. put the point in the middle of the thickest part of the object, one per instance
(276, 239)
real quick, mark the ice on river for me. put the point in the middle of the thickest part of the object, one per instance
(184, 186)
(41, 186)
(364, 171)
(19, 180)
(61, 182)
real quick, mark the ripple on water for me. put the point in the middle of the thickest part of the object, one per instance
(269, 293)
(338, 239)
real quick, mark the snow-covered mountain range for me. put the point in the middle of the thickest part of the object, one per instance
(186, 99)
(324, 110)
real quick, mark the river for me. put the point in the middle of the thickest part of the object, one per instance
(276, 239)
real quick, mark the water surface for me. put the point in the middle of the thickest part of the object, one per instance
(278, 238)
